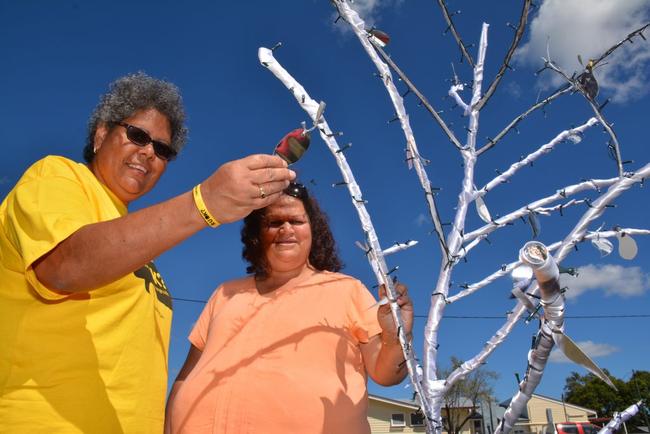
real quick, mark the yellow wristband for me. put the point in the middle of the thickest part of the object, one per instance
(203, 210)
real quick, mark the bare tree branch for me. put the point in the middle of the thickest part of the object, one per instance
(519, 32)
(421, 97)
(544, 149)
(559, 92)
(628, 38)
(454, 32)
(515, 121)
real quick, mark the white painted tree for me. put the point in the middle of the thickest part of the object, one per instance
(536, 261)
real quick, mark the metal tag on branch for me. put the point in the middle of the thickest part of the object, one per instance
(482, 210)
(627, 247)
(534, 223)
(576, 355)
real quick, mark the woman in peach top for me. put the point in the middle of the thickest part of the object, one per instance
(289, 348)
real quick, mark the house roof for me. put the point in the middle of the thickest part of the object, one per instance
(524, 413)
(588, 410)
(411, 405)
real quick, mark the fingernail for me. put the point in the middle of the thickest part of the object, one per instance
(292, 174)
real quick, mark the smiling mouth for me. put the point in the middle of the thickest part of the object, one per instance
(138, 167)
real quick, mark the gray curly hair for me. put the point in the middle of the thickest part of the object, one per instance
(135, 92)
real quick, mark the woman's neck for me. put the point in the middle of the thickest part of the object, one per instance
(278, 279)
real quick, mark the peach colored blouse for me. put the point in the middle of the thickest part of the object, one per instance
(284, 362)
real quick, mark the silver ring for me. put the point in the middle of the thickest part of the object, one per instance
(262, 193)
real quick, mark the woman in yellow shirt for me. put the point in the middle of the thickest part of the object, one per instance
(84, 314)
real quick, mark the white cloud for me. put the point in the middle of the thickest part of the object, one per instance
(421, 220)
(513, 89)
(589, 28)
(592, 349)
(611, 279)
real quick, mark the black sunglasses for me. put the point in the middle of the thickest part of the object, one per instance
(296, 190)
(140, 137)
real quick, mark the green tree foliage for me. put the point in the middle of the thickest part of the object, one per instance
(589, 391)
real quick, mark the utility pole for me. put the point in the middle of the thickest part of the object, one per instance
(643, 409)
(491, 418)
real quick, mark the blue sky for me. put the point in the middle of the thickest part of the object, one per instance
(58, 57)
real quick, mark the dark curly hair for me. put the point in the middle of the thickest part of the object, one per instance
(135, 92)
(323, 254)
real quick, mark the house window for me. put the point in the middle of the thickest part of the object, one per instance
(417, 419)
(397, 419)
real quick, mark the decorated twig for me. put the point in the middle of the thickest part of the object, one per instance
(562, 91)
(620, 418)
(629, 38)
(575, 82)
(574, 134)
(451, 27)
(506, 269)
(412, 155)
(513, 124)
(519, 32)
(436, 115)
(375, 254)
(435, 388)
(595, 184)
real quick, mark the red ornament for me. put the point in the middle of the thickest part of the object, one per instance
(293, 145)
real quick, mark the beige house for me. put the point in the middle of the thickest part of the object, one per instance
(387, 415)
(534, 418)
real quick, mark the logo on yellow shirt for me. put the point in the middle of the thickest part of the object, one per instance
(149, 273)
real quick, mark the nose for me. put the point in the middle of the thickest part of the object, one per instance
(286, 226)
(147, 151)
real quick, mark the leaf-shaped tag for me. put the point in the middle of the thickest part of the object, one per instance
(534, 223)
(604, 246)
(575, 354)
(627, 247)
(482, 210)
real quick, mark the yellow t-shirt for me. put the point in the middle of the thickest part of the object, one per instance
(91, 362)
(285, 362)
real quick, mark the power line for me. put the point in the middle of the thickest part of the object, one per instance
(193, 300)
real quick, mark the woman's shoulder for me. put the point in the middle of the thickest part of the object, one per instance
(234, 286)
(54, 165)
(337, 278)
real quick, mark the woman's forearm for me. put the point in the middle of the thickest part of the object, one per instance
(100, 253)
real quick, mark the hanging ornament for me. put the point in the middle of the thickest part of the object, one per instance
(576, 355)
(588, 82)
(293, 145)
(627, 247)
(534, 223)
(604, 246)
(379, 37)
(482, 210)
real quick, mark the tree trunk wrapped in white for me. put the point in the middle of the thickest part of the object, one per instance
(620, 418)
(458, 242)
